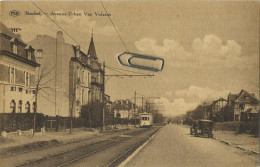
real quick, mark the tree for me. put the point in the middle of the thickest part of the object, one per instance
(93, 113)
(41, 85)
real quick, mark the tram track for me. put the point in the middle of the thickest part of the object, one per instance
(72, 156)
(7, 155)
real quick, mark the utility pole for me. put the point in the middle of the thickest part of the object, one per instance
(142, 104)
(134, 107)
(103, 101)
(115, 75)
(74, 85)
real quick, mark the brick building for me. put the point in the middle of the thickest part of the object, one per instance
(17, 73)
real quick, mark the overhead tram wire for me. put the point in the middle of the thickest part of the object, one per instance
(116, 70)
(58, 26)
(114, 26)
(127, 70)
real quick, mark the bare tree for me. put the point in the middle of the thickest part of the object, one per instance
(42, 85)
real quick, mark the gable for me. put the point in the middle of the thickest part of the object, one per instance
(246, 98)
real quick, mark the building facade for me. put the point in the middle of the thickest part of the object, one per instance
(243, 104)
(123, 109)
(74, 78)
(97, 74)
(17, 73)
(79, 81)
(215, 109)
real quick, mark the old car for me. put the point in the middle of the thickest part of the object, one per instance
(204, 128)
(193, 126)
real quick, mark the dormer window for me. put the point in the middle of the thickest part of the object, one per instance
(29, 55)
(29, 52)
(14, 45)
(15, 49)
(39, 53)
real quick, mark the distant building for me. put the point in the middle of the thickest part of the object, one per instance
(75, 78)
(216, 107)
(108, 108)
(123, 109)
(243, 105)
(17, 73)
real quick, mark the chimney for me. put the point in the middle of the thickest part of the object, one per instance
(77, 50)
(60, 36)
(16, 31)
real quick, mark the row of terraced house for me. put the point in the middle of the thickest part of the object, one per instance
(66, 77)
(67, 74)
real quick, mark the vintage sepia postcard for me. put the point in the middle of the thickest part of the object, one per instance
(129, 83)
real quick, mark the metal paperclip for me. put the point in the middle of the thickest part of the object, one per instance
(134, 55)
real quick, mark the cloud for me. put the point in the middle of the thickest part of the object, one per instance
(209, 52)
(188, 99)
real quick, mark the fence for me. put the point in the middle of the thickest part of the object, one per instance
(241, 127)
(11, 122)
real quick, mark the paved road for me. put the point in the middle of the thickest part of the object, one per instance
(174, 147)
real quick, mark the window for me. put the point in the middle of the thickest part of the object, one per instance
(82, 97)
(78, 74)
(20, 89)
(13, 88)
(27, 79)
(12, 75)
(242, 106)
(27, 107)
(12, 106)
(29, 55)
(88, 79)
(20, 106)
(39, 53)
(83, 75)
(15, 49)
(34, 106)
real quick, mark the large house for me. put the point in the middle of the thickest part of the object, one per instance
(216, 107)
(244, 105)
(17, 73)
(74, 78)
(123, 109)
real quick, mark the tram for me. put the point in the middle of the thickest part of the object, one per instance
(146, 120)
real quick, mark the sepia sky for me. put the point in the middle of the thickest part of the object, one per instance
(209, 48)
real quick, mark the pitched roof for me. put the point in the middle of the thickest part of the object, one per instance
(122, 104)
(120, 107)
(251, 110)
(92, 50)
(232, 97)
(221, 99)
(8, 32)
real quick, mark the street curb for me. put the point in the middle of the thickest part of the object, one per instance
(255, 152)
(241, 148)
(223, 141)
(127, 160)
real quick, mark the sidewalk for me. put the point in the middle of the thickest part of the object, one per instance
(243, 141)
(46, 138)
(53, 138)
